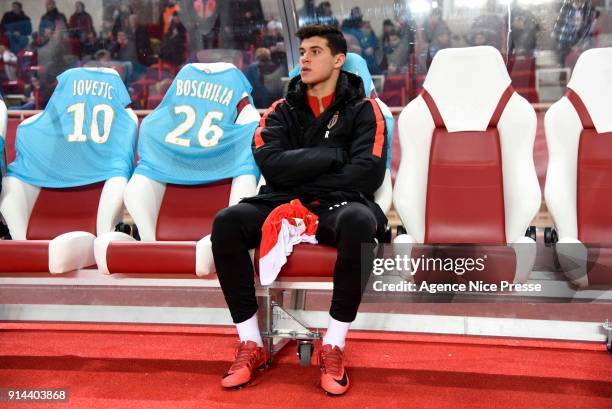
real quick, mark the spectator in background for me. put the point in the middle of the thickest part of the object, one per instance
(352, 24)
(388, 28)
(406, 26)
(51, 18)
(274, 41)
(273, 34)
(308, 13)
(91, 46)
(256, 73)
(488, 28)
(325, 15)
(247, 24)
(124, 51)
(396, 55)
(104, 58)
(17, 27)
(524, 28)
(352, 43)
(201, 19)
(121, 17)
(140, 37)
(370, 48)
(169, 11)
(9, 63)
(437, 34)
(174, 42)
(573, 26)
(51, 52)
(80, 23)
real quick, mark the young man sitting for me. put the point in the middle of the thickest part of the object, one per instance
(325, 145)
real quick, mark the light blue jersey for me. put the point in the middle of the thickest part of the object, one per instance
(192, 137)
(355, 64)
(84, 135)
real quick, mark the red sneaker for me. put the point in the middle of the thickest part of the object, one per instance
(334, 379)
(248, 358)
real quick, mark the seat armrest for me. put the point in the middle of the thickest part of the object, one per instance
(407, 242)
(71, 251)
(525, 250)
(204, 263)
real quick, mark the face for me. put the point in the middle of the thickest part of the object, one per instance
(316, 60)
(78, 6)
(50, 5)
(394, 40)
(15, 7)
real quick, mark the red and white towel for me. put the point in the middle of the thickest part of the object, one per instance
(287, 225)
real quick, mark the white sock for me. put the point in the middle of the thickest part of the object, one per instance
(249, 330)
(336, 333)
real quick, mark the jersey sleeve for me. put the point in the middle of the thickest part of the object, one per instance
(121, 92)
(246, 85)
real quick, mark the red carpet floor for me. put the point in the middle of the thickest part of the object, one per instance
(118, 366)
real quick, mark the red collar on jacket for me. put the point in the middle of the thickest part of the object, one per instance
(313, 102)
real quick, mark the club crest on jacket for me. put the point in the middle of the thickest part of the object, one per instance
(333, 121)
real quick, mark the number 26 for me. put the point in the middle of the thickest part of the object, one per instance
(207, 128)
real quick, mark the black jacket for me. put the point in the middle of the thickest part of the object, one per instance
(339, 156)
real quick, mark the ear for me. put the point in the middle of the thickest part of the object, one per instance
(339, 60)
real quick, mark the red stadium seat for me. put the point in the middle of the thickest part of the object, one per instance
(467, 174)
(53, 230)
(174, 223)
(578, 191)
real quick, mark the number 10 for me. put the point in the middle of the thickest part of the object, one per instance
(78, 110)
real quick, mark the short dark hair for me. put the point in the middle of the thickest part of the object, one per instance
(334, 37)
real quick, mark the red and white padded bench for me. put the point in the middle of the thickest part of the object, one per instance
(579, 178)
(53, 230)
(467, 174)
(174, 221)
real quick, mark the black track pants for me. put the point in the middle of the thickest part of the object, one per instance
(237, 229)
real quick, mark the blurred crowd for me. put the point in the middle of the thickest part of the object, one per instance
(148, 55)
